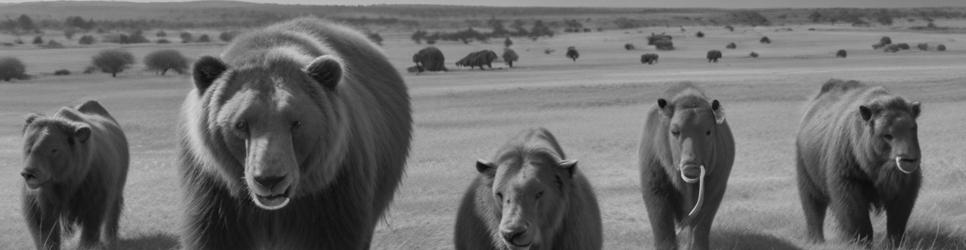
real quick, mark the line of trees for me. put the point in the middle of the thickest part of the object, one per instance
(497, 29)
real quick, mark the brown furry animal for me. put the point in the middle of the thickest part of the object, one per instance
(858, 150)
(430, 59)
(296, 138)
(686, 155)
(76, 164)
(529, 197)
(478, 59)
(713, 56)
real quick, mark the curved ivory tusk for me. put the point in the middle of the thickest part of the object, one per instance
(697, 205)
(899, 166)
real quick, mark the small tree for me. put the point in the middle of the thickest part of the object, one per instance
(38, 40)
(163, 60)
(185, 37)
(204, 38)
(507, 42)
(885, 40)
(86, 40)
(699, 34)
(510, 56)
(113, 61)
(161, 33)
(11, 68)
(137, 36)
(69, 33)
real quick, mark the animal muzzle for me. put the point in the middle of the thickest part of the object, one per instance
(517, 237)
(271, 173)
(906, 164)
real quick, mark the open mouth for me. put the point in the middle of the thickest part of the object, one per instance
(690, 173)
(33, 182)
(271, 202)
(519, 246)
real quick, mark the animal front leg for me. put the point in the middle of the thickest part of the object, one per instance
(897, 214)
(657, 194)
(44, 226)
(852, 212)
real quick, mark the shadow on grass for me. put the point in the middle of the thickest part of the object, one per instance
(153, 241)
(733, 239)
(935, 236)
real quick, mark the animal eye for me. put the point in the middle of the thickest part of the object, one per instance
(539, 194)
(296, 125)
(675, 132)
(242, 125)
(708, 132)
(887, 136)
(53, 151)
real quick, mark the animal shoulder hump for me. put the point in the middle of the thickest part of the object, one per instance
(93, 107)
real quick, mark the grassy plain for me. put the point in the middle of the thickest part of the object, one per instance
(595, 106)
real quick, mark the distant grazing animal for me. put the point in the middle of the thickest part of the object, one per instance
(628, 46)
(430, 59)
(765, 40)
(478, 59)
(923, 46)
(941, 47)
(75, 167)
(510, 56)
(841, 53)
(686, 155)
(572, 53)
(878, 46)
(858, 151)
(548, 51)
(730, 28)
(731, 46)
(903, 46)
(530, 196)
(885, 40)
(699, 34)
(753, 54)
(649, 58)
(295, 138)
(714, 55)
(893, 48)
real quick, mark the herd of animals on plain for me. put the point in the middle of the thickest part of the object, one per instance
(297, 136)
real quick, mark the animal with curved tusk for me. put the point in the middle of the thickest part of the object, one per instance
(686, 154)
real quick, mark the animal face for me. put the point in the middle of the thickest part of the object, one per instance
(275, 125)
(894, 133)
(691, 132)
(52, 151)
(529, 193)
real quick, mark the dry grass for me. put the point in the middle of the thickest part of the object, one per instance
(595, 106)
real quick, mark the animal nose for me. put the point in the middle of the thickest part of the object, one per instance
(27, 175)
(269, 181)
(512, 235)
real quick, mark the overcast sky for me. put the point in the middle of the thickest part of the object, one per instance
(634, 3)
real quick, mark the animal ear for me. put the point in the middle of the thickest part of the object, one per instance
(82, 133)
(327, 70)
(569, 165)
(206, 70)
(662, 104)
(865, 112)
(485, 167)
(718, 111)
(916, 109)
(30, 119)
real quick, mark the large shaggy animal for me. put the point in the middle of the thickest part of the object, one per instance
(510, 56)
(530, 196)
(731, 46)
(75, 167)
(686, 154)
(765, 40)
(923, 46)
(714, 55)
(478, 59)
(649, 58)
(295, 138)
(941, 47)
(858, 151)
(572, 53)
(429, 59)
(841, 53)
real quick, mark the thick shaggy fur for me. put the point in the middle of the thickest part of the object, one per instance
(843, 162)
(343, 119)
(667, 197)
(569, 217)
(430, 59)
(841, 53)
(478, 59)
(714, 55)
(82, 183)
(649, 58)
